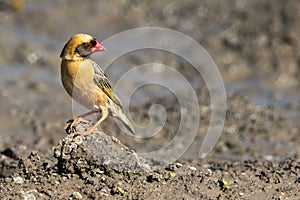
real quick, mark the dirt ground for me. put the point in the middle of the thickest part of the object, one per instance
(257, 155)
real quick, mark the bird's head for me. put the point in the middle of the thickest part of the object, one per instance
(81, 46)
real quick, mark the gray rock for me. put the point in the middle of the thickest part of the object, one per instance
(81, 154)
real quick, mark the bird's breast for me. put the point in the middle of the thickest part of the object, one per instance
(77, 79)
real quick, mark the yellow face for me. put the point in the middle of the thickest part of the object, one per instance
(79, 47)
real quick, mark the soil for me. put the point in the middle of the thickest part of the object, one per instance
(256, 157)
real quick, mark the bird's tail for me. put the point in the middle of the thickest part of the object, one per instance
(121, 116)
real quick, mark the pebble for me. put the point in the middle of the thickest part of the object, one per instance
(103, 190)
(99, 171)
(104, 194)
(209, 172)
(18, 180)
(193, 168)
(78, 140)
(269, 157)
(77, 195)
(27, 196)
(178, 165)
(33, 57)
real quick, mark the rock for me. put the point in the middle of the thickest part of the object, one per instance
(27, 195)
(193, 168)
(18, 180)
(83, 153)
(76, 195)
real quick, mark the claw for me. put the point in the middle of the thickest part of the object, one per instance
(73, 124)
(72, 127)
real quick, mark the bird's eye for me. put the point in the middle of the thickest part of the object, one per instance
(88, 45)
(93, 42)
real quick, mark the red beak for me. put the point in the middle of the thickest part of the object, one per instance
(98, 47)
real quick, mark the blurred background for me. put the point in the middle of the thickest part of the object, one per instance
(255, 44)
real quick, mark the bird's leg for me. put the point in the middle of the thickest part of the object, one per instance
(80, 118)
(103, 117)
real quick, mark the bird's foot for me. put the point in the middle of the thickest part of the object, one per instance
(87, 132)
(74, 125)
(82, 133)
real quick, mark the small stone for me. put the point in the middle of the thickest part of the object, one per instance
(54, 174)
(154, 177)
(179, 165)
(27, 196)
(18, 180)
(7, 180)
(209, 172)
(69, 148)
(268, 157)
(33, 57)
(78, 140)
(116, 140)
(193, 168)
(77, 195)
(241, 193)
(98, 171)
(103, 190)
(34, 153)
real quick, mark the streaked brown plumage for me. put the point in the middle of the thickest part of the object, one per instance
(86, 83)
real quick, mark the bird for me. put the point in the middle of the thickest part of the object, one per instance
(87, 84)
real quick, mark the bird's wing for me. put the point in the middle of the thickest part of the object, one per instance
(103, 83)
